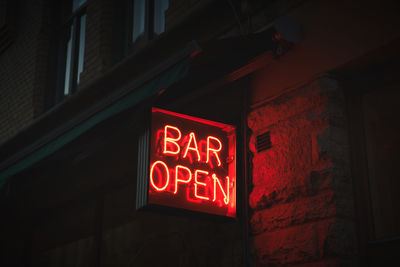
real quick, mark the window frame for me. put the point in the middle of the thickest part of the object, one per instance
(70, 19)
(135, 45)
(149, 31)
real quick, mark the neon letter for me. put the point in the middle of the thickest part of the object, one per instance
(177, 179)
(151, 175)
(192, 137)
(214, 150)
(171, 140)
(226, 195)
(196, 183)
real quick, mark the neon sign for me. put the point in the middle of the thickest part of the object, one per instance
(192, 164)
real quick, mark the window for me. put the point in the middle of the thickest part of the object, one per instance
(139, 12)
(72, 48)
(147, 21)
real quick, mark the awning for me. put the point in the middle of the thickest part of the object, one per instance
(218, 62)
(146, 91)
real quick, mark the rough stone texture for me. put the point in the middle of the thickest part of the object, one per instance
(302, 194)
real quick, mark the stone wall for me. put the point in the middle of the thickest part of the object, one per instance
(301, 200)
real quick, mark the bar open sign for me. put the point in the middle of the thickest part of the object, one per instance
(192, 164)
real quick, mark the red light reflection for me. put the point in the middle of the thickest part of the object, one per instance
(214, 150)
(168, 141)
(160, 175)
(192, 138)
(177, 180)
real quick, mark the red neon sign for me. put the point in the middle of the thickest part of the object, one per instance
(192, 164)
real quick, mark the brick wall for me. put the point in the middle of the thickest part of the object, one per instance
(21, 73)
(24, 65)
(302, 193)
(178, 10)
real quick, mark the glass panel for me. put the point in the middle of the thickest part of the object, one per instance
(68, 61)
(81, 47)
(77, 4)
(160, 6)
(138, 19)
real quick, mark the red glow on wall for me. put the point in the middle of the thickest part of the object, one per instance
(192, 164)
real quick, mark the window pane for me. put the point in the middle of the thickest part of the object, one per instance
(138, 19)
(77, 4)
(160, 6)
(68, 60)
(81, 47)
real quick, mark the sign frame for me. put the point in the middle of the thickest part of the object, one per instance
(143, 201)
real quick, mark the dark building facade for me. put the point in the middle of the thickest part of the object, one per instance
(310, 87)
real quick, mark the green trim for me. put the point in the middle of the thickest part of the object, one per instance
(165, 80)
